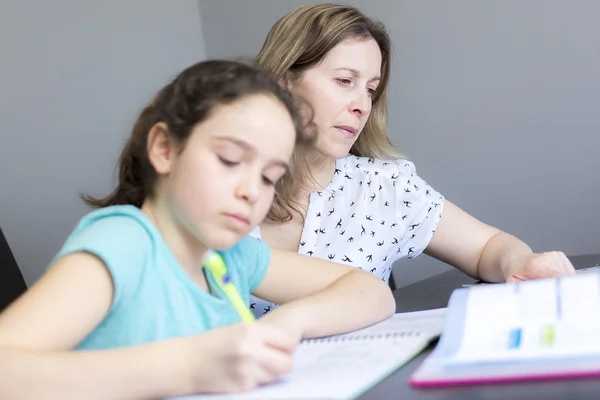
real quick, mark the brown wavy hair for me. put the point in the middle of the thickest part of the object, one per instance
(299, 41)
(181, 105)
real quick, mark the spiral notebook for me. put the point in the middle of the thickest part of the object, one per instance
(345, 366)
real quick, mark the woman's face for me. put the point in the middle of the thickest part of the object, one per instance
(340, 90)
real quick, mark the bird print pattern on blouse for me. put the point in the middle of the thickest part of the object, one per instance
(372, 214)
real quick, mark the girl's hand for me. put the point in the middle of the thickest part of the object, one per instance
(239, 357)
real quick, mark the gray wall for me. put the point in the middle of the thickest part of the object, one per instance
(495, 101)
(73, 75)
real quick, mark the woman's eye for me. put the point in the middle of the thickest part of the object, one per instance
(344, 81)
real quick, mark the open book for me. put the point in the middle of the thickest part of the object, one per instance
(593, 269)
(532, 330)
(345, 366)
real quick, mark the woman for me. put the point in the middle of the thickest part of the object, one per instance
(350, 197)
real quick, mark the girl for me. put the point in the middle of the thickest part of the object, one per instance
(355, 200)
(126, 309)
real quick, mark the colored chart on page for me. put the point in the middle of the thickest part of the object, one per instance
(545, 318)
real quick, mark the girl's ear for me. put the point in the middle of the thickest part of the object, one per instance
(160, 147)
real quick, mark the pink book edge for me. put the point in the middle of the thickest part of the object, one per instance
(503, 379)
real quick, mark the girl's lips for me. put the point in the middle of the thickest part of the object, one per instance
(238, 220)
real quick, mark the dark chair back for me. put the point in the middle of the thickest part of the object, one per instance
(12, 284)
(392, 281)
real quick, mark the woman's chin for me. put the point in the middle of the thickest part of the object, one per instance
(337, 153)
(334, 151)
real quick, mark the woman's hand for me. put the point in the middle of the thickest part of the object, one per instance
(539, 265)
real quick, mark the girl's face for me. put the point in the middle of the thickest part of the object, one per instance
(221, 184)
(340, 90)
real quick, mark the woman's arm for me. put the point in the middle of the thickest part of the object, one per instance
(487, 253)
(322, 298)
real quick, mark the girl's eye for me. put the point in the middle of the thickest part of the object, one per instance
(344, 81)
(268, 181)
(372, 92)
(228, 163)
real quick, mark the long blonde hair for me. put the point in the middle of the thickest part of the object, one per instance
(299, 41)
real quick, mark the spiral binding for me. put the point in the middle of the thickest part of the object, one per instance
(355, 338)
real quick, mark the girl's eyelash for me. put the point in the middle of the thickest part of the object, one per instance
(268, 181)
(227, 162)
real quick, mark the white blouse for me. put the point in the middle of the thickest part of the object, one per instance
(371, 214)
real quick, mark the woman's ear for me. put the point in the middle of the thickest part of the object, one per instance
(287, 81)
(160, 148)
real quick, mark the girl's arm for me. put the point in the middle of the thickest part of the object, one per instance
(141, 372)
(38, 331)
(321, 298)
(53, 316)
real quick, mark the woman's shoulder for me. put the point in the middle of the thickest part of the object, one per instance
(353, 165)
(397, 175)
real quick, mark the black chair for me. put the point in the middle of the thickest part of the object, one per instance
(12, 284)
(392, 281)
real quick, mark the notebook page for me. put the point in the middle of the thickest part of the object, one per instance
(341, 370)
(346, 369)
(539, 318)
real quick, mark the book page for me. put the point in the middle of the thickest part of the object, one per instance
(587, 270)
(539, 318)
